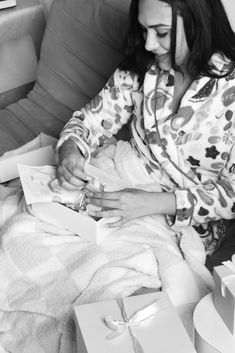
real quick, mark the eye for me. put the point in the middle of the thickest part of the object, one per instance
(143, 29)
(161, 34)
(144, 32)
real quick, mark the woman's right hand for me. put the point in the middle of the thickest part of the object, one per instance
(70, 170)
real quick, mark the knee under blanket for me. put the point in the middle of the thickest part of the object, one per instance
(45, 270)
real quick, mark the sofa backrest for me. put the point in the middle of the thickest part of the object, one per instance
(82, 46)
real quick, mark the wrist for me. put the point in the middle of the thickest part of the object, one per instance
(68, 147)
(165, 203)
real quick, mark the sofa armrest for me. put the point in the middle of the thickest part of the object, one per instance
(26, 18)
(21, 31)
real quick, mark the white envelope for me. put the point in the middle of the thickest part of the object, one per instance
(35, 181)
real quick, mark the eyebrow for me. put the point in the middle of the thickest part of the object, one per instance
(157, 26)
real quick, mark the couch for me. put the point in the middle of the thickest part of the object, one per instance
(81, 46)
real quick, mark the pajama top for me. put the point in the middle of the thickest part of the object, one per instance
(191, 153)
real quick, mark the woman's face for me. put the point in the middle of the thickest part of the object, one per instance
(155, 18)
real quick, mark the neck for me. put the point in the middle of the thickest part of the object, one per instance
(181, 85)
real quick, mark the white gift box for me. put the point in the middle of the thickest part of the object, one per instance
(224, 295)
(37, 152)
(211, 334)
(145, 323)
(52, 208)
(62, 216)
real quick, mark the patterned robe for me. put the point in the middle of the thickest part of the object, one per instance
(191, 153)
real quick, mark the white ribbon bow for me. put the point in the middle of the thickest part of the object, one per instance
(119, 326)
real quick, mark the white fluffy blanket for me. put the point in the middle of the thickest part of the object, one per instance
(44, 270)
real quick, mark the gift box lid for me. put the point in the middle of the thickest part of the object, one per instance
(224, 281)
(164, 332)
(224, 295)
(211, 334)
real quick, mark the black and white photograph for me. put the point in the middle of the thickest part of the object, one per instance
(117, 176)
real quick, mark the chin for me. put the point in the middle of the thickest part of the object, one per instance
(164, 66)
(164, 63)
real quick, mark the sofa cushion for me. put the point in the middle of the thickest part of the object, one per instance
(81, 47)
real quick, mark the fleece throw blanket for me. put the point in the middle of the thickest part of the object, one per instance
(45, 270)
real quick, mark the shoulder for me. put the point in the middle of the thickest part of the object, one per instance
(223, 65)
(226, 84)
(221, 86)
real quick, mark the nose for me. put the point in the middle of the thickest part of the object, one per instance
(151, 42)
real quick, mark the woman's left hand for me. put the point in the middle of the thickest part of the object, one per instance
(127, 204)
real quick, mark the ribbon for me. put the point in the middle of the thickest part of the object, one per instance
(139, 318)
(227, 279)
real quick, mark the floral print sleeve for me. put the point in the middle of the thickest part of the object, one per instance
(211, 200)
(195, 146)
(104, 116)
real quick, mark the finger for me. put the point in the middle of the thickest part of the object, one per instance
(75, 168)
(117, 224)
(54, 185)
(105, 213)
(77, 172)
(104, 203)
(70, 187)
(65, 177)
(106, 195)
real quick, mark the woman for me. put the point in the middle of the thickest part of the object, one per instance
(176, 87)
